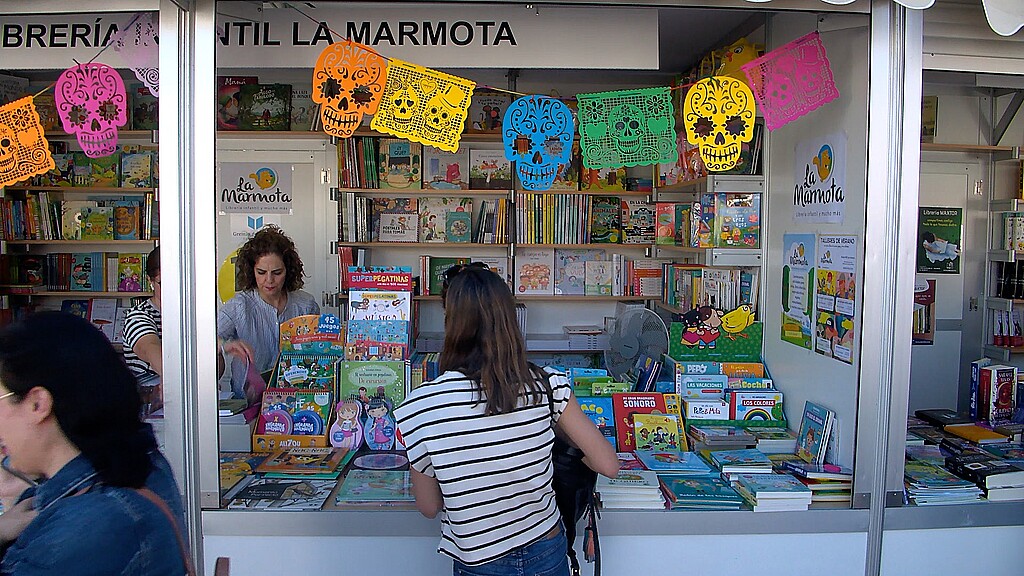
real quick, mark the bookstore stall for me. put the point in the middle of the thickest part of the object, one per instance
(707, 237)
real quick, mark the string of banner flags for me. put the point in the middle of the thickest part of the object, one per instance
(633, 127)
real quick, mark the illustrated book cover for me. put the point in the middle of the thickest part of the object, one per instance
(812, 438)
(283, 494)
(400, 164)
(443, 170)
(265, 107)
(489, 170)
(625, 405)
(534, 271)
(434, 216)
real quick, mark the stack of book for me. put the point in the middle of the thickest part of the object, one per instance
(827, 482)
(774, 440)
(689, 493)
(720, 438)
(674, 461)
(283, 494)
(927, 484)
(999, 480)
(773, 492)
(318, 463)
(631, 489)
(373, 489)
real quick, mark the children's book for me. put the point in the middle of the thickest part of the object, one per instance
(303, 109)
(377, 340)
(97, 223)
(637, 222)
(62, 173)
(599, 410)
(568, 175)
(375, 486)
(435, 270)
(605, 220)
(487, 110)
(737, 219)
(625, 405)
(129, 272)
(444, 170)
(570, 269)
(598, 277)
(656, 431)
(674, 461)
(136, 170)
(302, 461)
(705, 493)
(103, 315)
(489, 170)
(236, 467)
(458, 226)
(379, 305)
(81, 170)
(773, 486)
(228, 88)
(145, 108)
(496, 264)
(265, 107)
(400, 164)
(756, 405)
(380, 277)
(87, 271)
(283, 494)
(434, 216)
(127, 217)
(395, 219)
(534, 271)
(603, 179)
(307, 371)
(629, 461)
(364, 380)
(812, 438)
(627, 481)
(105, 171)
(71, 218)
(79, 308)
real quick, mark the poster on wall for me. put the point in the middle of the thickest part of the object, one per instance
(254, 188)
(938, 234)
(820, 176)
(797, 288)
(924, 312)
(835, 296)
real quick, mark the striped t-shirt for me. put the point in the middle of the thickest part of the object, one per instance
(140, 320)
(494, 471)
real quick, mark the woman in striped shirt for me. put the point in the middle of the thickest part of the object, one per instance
(248, 325)
(479, 438)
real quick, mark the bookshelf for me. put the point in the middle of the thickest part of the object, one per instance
(1004, 265)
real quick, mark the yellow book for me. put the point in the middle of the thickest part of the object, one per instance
(976, 434)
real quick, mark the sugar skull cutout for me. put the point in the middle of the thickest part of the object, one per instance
(348, 82)
(627, 128)
(537, 132)
(91, 104)
(24, 151)
(138, 46)
(719, 118)
(423, 105)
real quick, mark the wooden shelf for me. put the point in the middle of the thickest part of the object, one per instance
(81, 242)
(82, 189)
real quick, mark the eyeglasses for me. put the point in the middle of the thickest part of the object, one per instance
(8, 395)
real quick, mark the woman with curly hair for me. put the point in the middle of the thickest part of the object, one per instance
(270, 280)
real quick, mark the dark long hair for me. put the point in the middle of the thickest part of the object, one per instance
(483, 341)
(269, 240)
(95, 399)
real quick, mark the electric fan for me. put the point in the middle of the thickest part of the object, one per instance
(638, 333)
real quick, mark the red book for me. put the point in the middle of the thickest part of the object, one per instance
(624, 405)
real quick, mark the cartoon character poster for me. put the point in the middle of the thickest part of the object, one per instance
(820, 174)
(835, 296)
(938, 236)
(797, 288)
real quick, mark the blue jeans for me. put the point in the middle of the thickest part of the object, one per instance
(545, 557)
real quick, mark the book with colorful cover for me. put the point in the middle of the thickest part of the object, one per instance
(79, 308)
(97, 223)
(674, 461)
(265, 107)
(137, 170)
(127, 218)
(87, 271)
(458, 226)
(604, 178)
(145, 108)
(599, 410)
(228, 101)
(627, 481)
(625, 405)
(443, 170)
(434, 216)
(375, 486)
(303, 109)
(757, 405)
(395, 220)
(568, 175)
(638, 221)
(129, 272)
(63, 172)
(377, 340)
(436, 267)
(489, 170)
(363, 380)
(817, 471)
(534, 273)
(389, 278)
(236, 467)
(570, 269)
(598, 277)
(283, 494)
(401, 164)
(605, 220)
(487, 110)
(812, 438)
(629, 461)
(686, 491)
(379, 305)
(976, 434)
(773, 486)
(307, 371)
(300, 461)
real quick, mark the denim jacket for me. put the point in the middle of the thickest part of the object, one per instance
(103, 531)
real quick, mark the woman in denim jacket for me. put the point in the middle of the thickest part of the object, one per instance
(69, 414)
